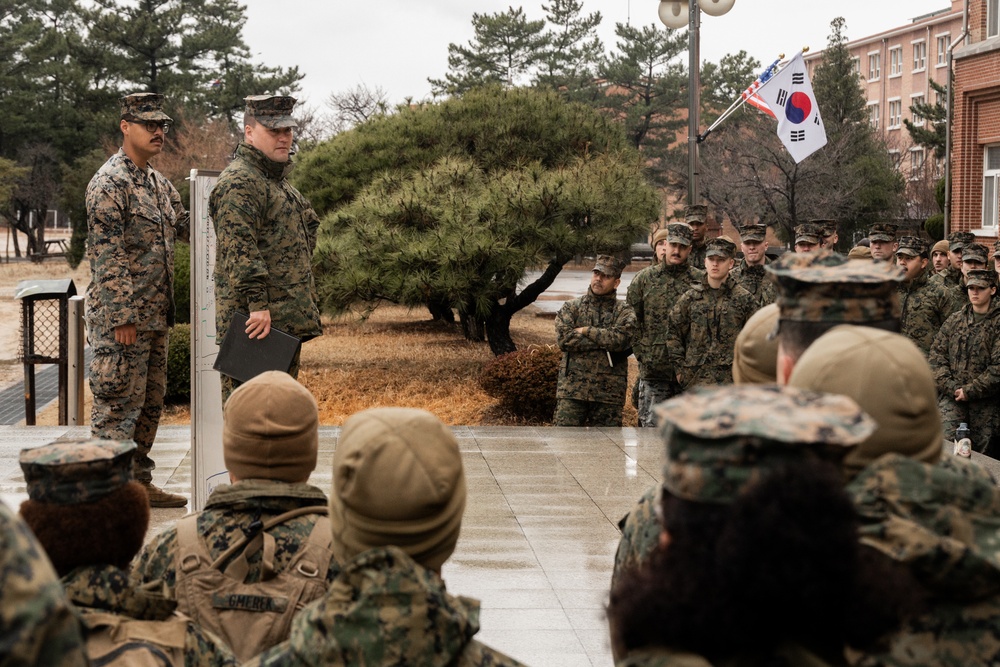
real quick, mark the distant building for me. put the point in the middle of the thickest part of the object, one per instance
(976, 124)
(895, 68)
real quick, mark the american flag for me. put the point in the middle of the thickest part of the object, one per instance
(751, 96)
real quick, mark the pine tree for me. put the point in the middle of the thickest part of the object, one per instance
(573, 50)
(931, 135)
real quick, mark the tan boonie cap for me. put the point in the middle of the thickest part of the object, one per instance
(755, 354)
(808, 233)
(272, 111)
(882, 231)
(980, 278)
(695, 213)
(143, 106)
(753, 232)
(680, 232)
(860, 252)
(975, 252)
(721, 246)
(78, 471)
(825, 286)
(958, 240)
(719, 440)
(912, 246)
(609, 265)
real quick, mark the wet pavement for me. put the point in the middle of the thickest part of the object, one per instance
(538, 537)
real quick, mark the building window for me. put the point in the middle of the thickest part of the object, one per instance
(916, 99)
(896, 158)
(942, 49)
(874, 66)
(896, 61)
(916, 164)
(919, 56)
(856, 65)
(895, 114)
(873, 114)
(991, 185)
(992, 18)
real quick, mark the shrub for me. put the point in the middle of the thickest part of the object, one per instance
(179, 364)
(182, 283)
(524, 381)
(934, 226)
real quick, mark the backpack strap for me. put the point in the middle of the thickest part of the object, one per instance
(191, 551)
(313, 560)
(239, 567)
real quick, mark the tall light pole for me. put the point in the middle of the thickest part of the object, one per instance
(676, 14)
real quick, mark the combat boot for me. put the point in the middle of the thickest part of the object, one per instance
(160, 498)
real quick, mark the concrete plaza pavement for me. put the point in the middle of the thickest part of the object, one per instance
(538, 537)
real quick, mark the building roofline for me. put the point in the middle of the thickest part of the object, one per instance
(926, 20)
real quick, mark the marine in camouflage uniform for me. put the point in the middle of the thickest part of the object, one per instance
(594, 333)
(965, 358)
(808, 237)
(134, 215)
(882, 241)
(924, 304)
(956, 244)
(942, 522)
(696, 217)
(704, 323)
(752, 277)
(265, 233)
(67, 482)
(720, 441)
(652, 293)
(385, 609)
(37, 626)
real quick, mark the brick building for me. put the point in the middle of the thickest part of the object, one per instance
(976, 124)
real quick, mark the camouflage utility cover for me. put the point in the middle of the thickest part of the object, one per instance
(882, 231)
(80, 471)
(809, 233)
(272, 111)
(695, 213)
(609, 265)
(825, 286)
(143, 106)
(980, 278)
(911, 245)
(975, 252)
(753, 232)
(385, 609)
(958, 240)
(720, 247)
(720, 439)
(680, 232)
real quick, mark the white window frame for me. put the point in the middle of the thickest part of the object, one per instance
(895, 119)
(991, 186)
(897, 158)
(874, 65)
(915, 118)
(919, 55)
(942, 49)
(874, 114)
(917, 163)
(856, 64)
(895, 61)
(992, 18)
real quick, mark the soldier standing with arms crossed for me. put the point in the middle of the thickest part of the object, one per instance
(265, 233)
(133, 216)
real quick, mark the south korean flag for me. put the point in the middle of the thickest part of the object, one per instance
(790, 96)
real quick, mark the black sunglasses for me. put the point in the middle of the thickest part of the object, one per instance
(151, 125)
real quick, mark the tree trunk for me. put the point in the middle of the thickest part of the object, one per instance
(441, 310)
(498, 331)
(472, 327)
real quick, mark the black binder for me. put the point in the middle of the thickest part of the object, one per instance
(242, 358)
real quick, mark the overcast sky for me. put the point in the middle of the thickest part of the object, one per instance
(398, 44)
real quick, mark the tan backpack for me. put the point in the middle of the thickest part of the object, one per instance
(250, 618)
(114, 640)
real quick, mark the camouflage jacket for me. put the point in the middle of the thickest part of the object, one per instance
(586, 372)
(966, 354)
(95, 590)
(652, 293)
(133, 218)
(265, 236)
(755, 280)
(942, 521)
(952, 276)
(385, 609)
(785, 656)
(640, 534)
(37, 624)
(702, 331)
(697, 257)
(925, 305)
(228, 513)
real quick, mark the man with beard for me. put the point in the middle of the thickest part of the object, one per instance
(652, 293)
(750, 271)
(594, 333)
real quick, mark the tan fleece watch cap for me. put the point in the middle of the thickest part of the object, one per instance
(755, 358)
(270, 429)
(889, 377)
(398, 481)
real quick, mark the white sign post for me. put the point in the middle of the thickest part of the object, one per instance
(208, 468)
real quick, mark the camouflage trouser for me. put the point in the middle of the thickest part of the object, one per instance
(128, 383)
(229, 384)
(571, 412)
(652, 392)
(980, 415)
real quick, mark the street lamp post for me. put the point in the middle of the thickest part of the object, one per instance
(676, 14)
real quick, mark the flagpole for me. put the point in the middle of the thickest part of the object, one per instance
(694, 98)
